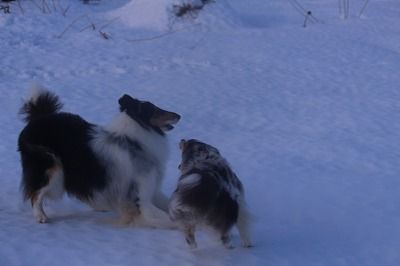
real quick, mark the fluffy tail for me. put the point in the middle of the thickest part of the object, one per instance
(41, 102)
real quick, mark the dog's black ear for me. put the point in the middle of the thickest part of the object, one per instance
(182, 144)
(125, 101)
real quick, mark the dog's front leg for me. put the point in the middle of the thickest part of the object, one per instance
(155, 217)
(160, 200)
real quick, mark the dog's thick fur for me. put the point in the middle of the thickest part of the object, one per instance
(208, 193)
(116, 167)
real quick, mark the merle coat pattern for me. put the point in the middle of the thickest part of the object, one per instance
(208, 193)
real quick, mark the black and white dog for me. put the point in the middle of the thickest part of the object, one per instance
(116, 167)
(208, 193)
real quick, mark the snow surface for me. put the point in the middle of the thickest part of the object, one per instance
(308, 118)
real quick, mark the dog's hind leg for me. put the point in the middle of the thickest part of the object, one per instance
(37, 206)
(42, 178)
(54, 190)
(243, 224)
(189, 236)
(226, 240)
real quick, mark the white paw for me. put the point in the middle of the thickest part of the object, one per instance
(247, 244)
(41, 218)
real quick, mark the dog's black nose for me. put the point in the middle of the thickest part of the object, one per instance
(182, 144)
(126, 100)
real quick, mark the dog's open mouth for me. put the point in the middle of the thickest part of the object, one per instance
(168, 125)
(165, 121)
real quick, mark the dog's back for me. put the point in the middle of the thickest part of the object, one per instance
(56, 136)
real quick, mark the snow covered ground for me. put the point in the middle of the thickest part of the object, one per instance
(307, 116)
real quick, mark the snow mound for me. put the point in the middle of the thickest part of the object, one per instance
(148, 14)
(160, 15)
(218, 13)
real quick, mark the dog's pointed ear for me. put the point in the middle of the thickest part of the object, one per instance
(126, 101)
(182, 144)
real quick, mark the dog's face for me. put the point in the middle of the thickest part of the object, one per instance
(194, 151)
(148, 115)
